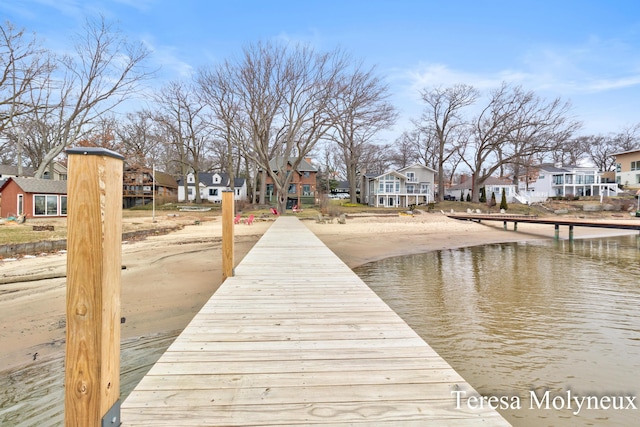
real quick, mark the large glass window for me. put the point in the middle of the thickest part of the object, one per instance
(213, 191)
(45, 205)
(63, 205)
(292, 189)
(306, 190)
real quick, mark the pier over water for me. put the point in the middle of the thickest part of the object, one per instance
(296, 338)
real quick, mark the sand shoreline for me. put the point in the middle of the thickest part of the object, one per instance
(157, 298)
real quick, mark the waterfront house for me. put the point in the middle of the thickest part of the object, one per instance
(555, 180)
(628, 169)
(211, 185)
(139, 184)
(33, 198)
(412, 185)
(302, 188)
(492, 185)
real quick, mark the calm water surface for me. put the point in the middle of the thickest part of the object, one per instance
(522, 318)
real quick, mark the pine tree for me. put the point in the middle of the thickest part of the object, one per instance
(503, 202)
(483, 195)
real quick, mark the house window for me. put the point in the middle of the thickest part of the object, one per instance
(637, 178)
(424, 188)
(306, 190)
(292, 189)
(618, 167)
(45, 205)
(191, 192)
(213, 191)
(410, 189)
(63, 205)
(237, 191)
(20, 210)
(635, 165)
(411, 176)
(307, 174)
(558, 179)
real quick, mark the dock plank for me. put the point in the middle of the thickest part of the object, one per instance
(296, 338)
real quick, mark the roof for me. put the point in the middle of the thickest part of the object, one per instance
(492, 180)
(13, 170)
(277, 162)
(637, 150)
(549, 167)
(419, 165)
(35, 185)
(165, 180)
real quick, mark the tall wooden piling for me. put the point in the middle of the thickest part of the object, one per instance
(94, 259)
(227, 234)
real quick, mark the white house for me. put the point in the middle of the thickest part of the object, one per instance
(555, 180)
(211, 186)
(408, 186)
(491, 185)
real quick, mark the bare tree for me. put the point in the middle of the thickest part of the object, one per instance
(184, 114)
(513, 125)
(24, 69)
(443, 120)
(228, 119)
(359, 111)
(285, 93)
(105, 70)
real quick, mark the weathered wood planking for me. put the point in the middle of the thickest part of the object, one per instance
(296, 338)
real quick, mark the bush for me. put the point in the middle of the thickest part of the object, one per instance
(468, 197)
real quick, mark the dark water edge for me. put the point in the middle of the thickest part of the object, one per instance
(529, 317)
(34, 395)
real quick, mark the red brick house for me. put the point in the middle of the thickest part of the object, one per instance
(34, 198)
(302, 189)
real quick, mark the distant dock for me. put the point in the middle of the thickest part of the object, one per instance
(296, 338)
(571, 223)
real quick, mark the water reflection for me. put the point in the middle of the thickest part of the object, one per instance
(518, 317)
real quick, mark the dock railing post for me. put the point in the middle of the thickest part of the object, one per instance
(227, 234)
(556, 234)
(94, 262)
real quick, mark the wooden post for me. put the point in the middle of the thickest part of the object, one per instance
(556, 234)
(227, 234)
(94, 259)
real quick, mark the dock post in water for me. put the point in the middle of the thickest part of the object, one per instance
(94, 259)
(227, 234)
(556, 234)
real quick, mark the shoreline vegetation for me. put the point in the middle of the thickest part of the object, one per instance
(168, 276)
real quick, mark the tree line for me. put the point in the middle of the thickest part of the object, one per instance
(273, 101)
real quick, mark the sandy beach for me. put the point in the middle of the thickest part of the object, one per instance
(169, 277)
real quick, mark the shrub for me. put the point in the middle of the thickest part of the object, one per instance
(503, 201)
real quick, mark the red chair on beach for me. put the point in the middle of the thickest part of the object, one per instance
(275, 211)
(250, 219)
(236, 220)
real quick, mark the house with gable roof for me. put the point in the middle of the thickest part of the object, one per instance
(412, 185)
(33, 198)
(302, 188)
(211, 185)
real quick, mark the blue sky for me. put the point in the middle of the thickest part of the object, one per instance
(586, 52)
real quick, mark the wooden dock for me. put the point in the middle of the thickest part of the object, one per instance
(296, 338)
(571, 223)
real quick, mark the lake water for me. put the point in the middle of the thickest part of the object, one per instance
(530, 323)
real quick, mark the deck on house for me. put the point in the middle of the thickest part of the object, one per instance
(297, 338)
